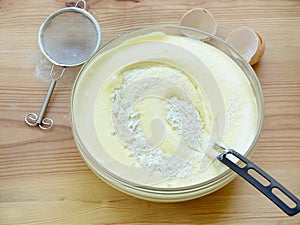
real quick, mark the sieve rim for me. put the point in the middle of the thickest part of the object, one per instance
(60, 11)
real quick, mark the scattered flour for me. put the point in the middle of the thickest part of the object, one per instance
(182, 116)
(232, 108)
(42, 67)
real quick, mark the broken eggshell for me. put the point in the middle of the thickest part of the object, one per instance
(248, 43)
(260, 50)
(200, 19)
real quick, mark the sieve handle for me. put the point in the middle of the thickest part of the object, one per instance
(267, 190)
(33, 119)
(83, 2)
(46, 102)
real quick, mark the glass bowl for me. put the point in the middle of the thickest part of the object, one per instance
(114, 56)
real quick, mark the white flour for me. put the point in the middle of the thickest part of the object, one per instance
(233, 106)
(42, 69)
(182, 116)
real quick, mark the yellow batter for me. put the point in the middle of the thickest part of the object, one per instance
(156, 103)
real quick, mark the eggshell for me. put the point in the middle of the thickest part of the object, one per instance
(248, 43)
(260, 51)
(200, 19)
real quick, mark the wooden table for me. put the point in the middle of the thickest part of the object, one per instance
(43, 179)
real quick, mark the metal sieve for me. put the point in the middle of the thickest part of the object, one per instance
(67, 38)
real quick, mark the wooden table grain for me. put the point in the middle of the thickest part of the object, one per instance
(43, 179)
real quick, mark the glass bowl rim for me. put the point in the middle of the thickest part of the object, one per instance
(91, 162)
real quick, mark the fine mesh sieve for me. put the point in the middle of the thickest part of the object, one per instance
(67, 38)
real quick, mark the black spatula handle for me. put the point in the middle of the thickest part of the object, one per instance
(266, 190)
